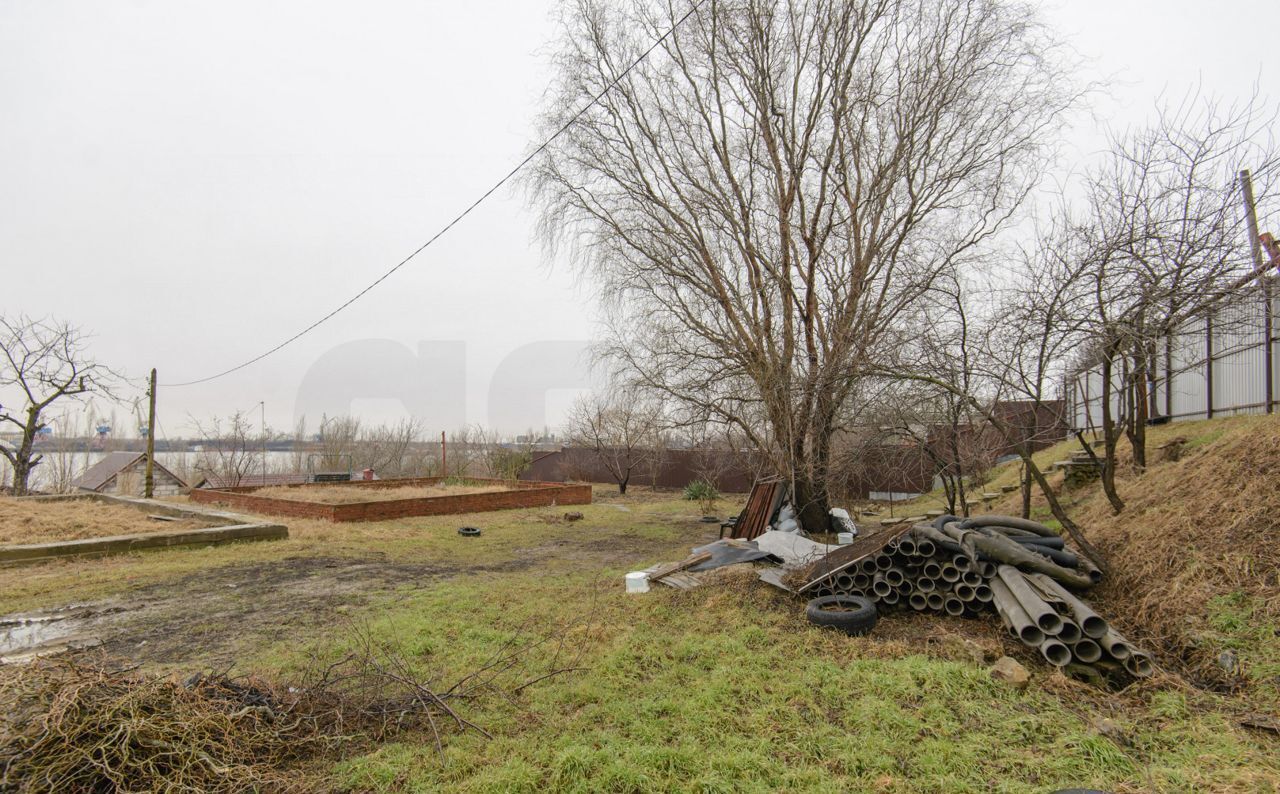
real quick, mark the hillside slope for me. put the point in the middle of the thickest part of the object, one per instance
(1195, 555)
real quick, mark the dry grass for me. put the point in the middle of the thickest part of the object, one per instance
(340, 494)
(24, 521)
(1195, 532)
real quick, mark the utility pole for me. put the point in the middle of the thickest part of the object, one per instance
(1264, 281)
(149, 484)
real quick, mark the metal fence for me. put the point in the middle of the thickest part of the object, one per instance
(1213, 365)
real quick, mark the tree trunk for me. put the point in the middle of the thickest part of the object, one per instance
(813, 501)
(1055, 507)
(1026, 485)
(1109, 437)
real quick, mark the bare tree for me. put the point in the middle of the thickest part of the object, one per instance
(42, 361)
(231, 449)
(623, 430)
(769, 191)
(386, 448)
(1167, 240)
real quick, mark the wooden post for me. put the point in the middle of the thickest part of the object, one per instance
(149, 483)
(1264, 281)
(444, 459)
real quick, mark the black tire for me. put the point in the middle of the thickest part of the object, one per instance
(469, 532)
(853, 615)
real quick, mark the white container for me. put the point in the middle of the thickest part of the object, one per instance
(637, 582)
(845, 538)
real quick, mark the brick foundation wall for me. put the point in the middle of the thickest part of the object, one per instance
(525, 494)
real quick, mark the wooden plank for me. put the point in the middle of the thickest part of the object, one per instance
(845, 556)
(687, 562)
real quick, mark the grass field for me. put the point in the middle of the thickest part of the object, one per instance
(724, 688)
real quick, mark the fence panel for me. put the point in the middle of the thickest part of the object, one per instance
(1214, 365)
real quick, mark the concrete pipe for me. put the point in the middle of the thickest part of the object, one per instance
(823, 592)
(1023, 627)
(1036, 608)
(844, 582)
(953, 606)
(1115, 645)
(932, 570)
(1070, 632)
(880, 587)
(936, 601)
(925, 548)
(1056, 653)
(983, 594)
(1091, 623)
(889, 598)
(964, 592)
(890, 547)
(883, 562)
(861, 580)
(906, 546)
(895, 576)
(926, 585)
(1086, 651)
(918, 601)
(1139, 664)
(903, 589)
(962, 563)
(987, 570)
(971, 578)
(950, 573)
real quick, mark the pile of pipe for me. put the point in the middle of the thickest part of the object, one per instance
(1016, 567)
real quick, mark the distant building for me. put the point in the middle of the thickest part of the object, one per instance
(124, 474)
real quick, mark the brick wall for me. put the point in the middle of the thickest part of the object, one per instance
(525, 494)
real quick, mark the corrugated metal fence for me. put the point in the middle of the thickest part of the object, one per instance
(1214, 365)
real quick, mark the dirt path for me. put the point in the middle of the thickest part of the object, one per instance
(211, 617)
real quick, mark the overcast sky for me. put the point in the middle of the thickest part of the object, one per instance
(194, 182)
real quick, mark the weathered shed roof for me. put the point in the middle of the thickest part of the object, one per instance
(100, 473)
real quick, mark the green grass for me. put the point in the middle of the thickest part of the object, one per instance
(724, 688)
(730, 691)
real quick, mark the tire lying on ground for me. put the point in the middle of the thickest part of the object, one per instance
(469, 532)
(851, 614)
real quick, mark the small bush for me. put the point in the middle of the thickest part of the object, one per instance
(702, 492)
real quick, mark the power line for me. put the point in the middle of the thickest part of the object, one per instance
(520, 166)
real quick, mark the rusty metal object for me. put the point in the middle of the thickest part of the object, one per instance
(763, 502)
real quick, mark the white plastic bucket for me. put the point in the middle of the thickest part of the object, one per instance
(845, 538)
(637, 582)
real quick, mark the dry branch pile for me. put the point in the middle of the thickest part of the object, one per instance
(85, 727)
(1012, 566)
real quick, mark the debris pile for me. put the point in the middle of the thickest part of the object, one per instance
(1018, 568)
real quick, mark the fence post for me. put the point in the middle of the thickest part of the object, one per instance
(1264, 281)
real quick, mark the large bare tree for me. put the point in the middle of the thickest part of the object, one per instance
(765, 194)
(42, 362)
